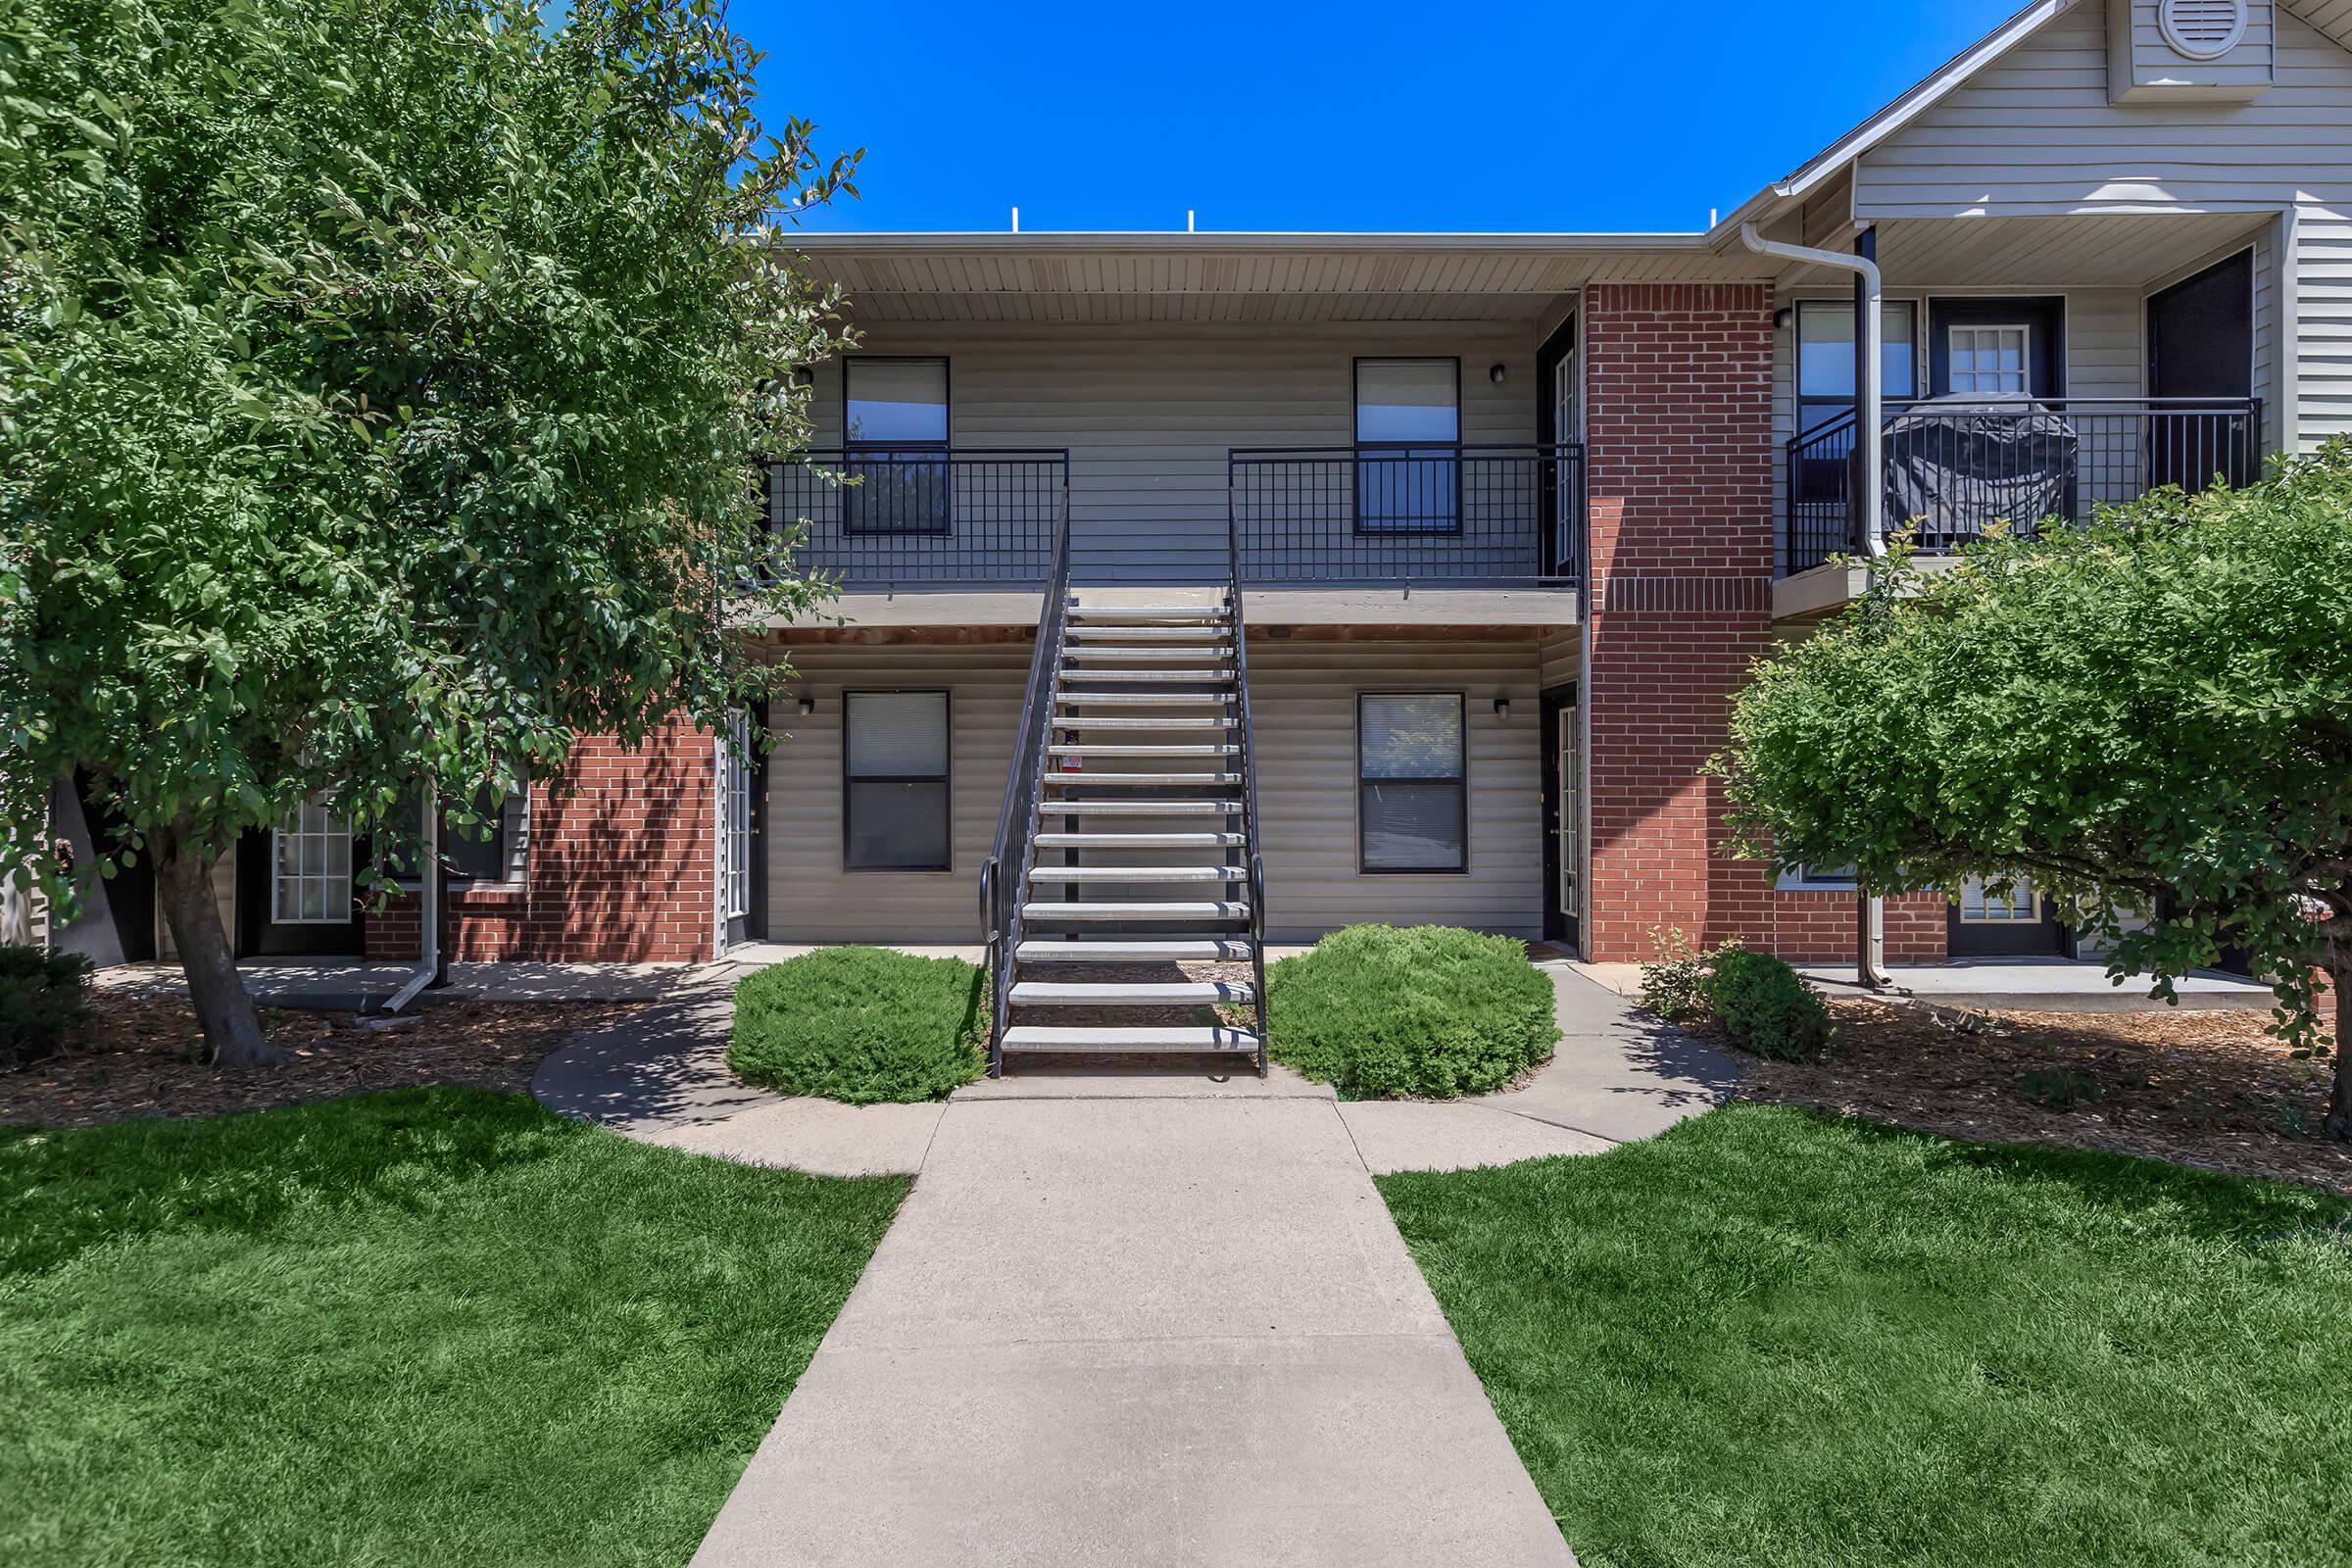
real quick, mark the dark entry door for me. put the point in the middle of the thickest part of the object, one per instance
(2012, 922)
(1560, 422)
(296, 892)
(2201, 345)
(1563, 817)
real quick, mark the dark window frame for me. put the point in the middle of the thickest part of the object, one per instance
(1447, 453)
(1796, 362)
(1460, 783)
(945, 780)
(851, 450)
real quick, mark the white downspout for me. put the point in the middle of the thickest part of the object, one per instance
(1870, 936)
(1869, 399)
(430, 853)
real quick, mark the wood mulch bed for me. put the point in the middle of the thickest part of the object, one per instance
(144, 1056)
(2196, 1086)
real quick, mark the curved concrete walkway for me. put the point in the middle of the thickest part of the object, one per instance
(661, 1077)
(1137, 1318)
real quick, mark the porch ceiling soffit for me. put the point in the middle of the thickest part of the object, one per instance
(2119, 251)
(1117, 279)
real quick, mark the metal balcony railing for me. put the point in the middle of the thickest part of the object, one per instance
(1952, 469)
(923, 516)
(1416, 514)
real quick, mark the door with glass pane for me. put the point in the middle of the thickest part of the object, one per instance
(1563, 817)
(1994, 919)
(735, 830)
(1560, 421)
(297, 895)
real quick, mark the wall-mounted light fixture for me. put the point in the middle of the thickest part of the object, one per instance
(808, 705)
(1502, 708)
(1782, 318)
(1494, 374)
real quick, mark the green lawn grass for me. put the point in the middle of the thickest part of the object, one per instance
(430, 1326)
(1774, 1338)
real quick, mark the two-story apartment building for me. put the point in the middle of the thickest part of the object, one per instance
(1501, 522)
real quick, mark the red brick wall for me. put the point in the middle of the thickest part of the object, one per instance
(1816, 926)
(1678, 434)
(622, 855)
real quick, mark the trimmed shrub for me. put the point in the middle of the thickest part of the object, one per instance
(1430, 1011)
(1765, 1005)
(861, 1025)
(44, 999)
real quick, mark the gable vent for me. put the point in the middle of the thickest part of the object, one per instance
(2202, 29)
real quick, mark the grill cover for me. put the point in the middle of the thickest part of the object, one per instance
(1959, 464)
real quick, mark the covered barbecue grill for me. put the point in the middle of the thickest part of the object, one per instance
(1959, 464)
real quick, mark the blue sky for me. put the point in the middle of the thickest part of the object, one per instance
(1427, 116)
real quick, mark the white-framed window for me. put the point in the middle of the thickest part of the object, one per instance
(894, 781)
(1412, 801)
(1985, 903)
(309, 881)
(1825, 357)
(1991, 358)
(1816, 879)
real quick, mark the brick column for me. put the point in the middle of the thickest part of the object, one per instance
(1678, 422)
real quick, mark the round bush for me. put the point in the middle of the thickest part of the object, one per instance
(861, 1025)
(1765, 1005)
(1427, 1011)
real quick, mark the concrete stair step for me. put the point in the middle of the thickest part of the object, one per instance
(1219, 610)
(1149, 634)
(1159, 678)
(1146, 700)
(1150, 656)
(1140, 841)
(1186, 913)
(1129, 993)
(1137, 873)
(1139, 809)
(1044, 1038)
(1154, 780)
(1135, 949)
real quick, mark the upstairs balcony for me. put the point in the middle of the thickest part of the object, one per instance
(1953, 468)
(985, 519)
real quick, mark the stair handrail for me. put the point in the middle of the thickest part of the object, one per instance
(1254, 864)
(1014, 850)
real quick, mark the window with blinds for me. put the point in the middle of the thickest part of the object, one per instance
(1408, 433)
(895, 813)
(1413, 808)
(895, 427)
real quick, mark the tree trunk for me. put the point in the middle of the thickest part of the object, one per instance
(232, 1025)
(2340, 1098)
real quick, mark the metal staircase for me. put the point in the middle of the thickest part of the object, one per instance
(1128, 844)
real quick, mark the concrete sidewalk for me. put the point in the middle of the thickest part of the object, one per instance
(1138, 1314)
(1138, 1331)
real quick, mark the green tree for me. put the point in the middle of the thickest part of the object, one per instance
(380, 384)
(2150, 718)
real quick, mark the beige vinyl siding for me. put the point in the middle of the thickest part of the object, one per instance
(1302, 697)
(2245, 69)
(1149, 414)
(1302, 703)
(2035, 134)
(810, 897)
(1562, 659)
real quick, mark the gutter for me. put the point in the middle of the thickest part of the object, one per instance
(1870, 913)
